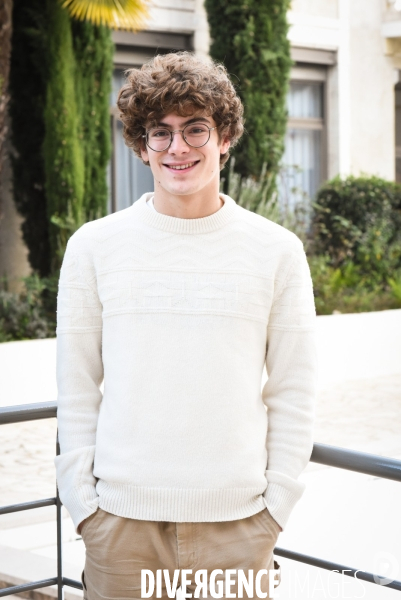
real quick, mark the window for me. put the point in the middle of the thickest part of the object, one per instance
(303, 160)
(129, 178)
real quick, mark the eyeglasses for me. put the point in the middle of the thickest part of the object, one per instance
(195, 135)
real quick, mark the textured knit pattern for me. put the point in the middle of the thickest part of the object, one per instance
(178, 316)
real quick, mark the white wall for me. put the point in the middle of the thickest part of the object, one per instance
(361, 107)
(321, 8)
(359, 346)
(372, 79)
(355, 346)
(28, 372)
(176, 16)
(181, 16)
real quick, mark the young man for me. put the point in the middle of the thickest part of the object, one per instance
(177, 303)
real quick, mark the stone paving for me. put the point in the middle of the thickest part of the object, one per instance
(27, 453)
(360, 415)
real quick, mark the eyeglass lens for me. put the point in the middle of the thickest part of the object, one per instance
(159, 138)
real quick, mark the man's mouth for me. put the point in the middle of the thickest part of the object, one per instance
(182, 167)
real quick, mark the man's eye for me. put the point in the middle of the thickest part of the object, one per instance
(160, 133)
(196, 130)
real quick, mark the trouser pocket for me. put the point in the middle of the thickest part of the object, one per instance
(84, 585)
(278, 576)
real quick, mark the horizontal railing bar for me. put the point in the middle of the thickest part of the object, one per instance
(333, 456)
(332, 566)
(12, 508)
(360, 462)
(27, 587)
(72, 583)
(27, 412)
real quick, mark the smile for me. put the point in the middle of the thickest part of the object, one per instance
(184, 167)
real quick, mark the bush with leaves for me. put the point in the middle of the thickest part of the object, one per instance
(347, 289)
(358, 220)
(342, 286)
(30, 314)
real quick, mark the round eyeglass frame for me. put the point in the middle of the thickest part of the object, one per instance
(182, 131)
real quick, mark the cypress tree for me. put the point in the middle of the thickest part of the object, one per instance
(28, 76)
(5, 48)
(62, 148)
(60, 83)
(93, 50)
(250, 38)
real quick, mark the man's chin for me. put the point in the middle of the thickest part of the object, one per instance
(181, 190)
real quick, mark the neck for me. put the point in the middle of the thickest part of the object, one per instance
(189, 206)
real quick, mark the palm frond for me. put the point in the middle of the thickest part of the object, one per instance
(115, 14)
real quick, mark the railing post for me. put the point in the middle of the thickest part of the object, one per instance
(60, 588)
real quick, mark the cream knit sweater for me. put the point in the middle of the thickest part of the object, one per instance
(178, 316)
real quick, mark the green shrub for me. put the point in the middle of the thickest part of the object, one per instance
(358, 220)
(30, 314)
(395, 285)
(347, 289)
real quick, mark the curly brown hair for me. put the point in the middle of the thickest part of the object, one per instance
(182, 83)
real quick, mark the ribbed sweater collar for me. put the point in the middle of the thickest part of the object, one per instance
(185, 226)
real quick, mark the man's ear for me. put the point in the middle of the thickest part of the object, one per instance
(145, 154)
(224, 146)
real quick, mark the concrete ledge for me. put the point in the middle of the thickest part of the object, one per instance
(358, 346)
(350, 346)
(28, 372)
(19, 566)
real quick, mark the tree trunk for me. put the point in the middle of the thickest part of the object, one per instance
(5, 49)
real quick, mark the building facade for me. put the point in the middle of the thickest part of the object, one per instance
(344, 100)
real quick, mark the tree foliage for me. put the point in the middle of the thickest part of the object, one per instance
(60, 78)
(250, 38)
(93, 51)
(28, 76)
(62, 149)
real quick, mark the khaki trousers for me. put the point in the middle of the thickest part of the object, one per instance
(117, 549)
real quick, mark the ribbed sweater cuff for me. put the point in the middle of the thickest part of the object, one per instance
(281, 495)
(81, 503)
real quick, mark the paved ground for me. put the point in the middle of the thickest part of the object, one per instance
(27, 453)
(361, 415)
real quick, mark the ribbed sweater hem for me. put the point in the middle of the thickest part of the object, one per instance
(179, 505)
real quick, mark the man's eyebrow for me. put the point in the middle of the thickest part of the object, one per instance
(188, 122)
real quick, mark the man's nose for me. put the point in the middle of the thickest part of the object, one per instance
(178, 144)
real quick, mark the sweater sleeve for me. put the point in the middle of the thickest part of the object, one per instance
(79, 375)
(290, 391)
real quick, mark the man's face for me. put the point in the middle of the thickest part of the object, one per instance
(201, 165)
